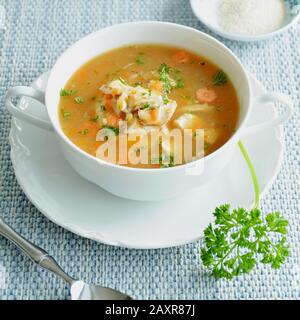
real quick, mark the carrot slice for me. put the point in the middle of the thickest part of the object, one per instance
(108, 100)
(112, 119)
(153, 114)
(205, 95)
(181, 57)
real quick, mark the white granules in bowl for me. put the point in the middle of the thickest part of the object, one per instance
(251, 17)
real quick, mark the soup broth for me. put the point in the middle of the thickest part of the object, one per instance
(148, 87)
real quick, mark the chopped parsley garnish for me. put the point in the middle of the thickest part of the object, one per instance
(165, 99)
(164, 77)
(179, 84)
(84, 132)
(140, 59)
(95, 118)
(122, 80)
(65, 114)
(219, 78)
(196, 134)
(79, 100)
(166, 162)
(178, 79)
(115, 130)
(146, 105)
(67, 93)
(187, 97)
(93, 98)
(164, 68)
(102, 107)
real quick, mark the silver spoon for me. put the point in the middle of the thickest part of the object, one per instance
(79, 289)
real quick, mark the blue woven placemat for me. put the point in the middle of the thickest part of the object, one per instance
(33, 33)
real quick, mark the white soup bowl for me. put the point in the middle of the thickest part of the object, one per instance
(135, 183)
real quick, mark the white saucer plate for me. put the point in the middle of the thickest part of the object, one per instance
(85, 209)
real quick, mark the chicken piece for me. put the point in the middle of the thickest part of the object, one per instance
(211, 135)
(157, 116)
(189, 121)
(197, 108)
(151, 106)
(185, 121)
(156, 86)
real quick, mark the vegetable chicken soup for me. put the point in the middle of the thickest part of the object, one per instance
(142, 89)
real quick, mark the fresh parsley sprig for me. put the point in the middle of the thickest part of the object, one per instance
(165, 72)
(219, 78)
(164, 77)
(239, 239)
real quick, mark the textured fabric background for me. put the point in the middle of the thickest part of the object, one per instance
(33, 33)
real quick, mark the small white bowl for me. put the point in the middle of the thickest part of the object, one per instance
(206, 12)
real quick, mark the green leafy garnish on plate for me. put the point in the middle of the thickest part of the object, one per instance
(239, 239)
(219, 78)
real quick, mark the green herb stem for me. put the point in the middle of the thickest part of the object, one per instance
(240, 239)
(252, 171)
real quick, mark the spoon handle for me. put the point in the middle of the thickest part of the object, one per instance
(35, 253)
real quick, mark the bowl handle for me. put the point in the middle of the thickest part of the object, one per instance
(23, 114)
(278, 120)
